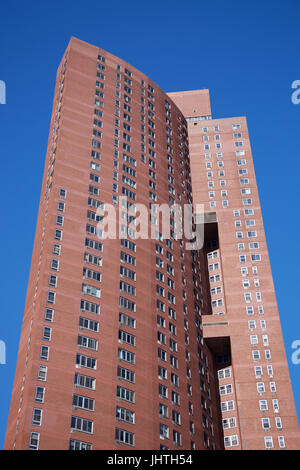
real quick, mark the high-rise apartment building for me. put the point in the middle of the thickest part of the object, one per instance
(139, 342)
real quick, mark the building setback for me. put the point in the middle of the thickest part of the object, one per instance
(131, 343)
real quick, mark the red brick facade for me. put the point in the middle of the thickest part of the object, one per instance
(113, 354)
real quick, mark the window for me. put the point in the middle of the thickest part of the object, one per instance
(44, 354)
(83, 402)
(162, 373)
(126, 320)
(34, 440)
(250, 310)
(89, 307)
(255, 355)
(162, 389)
(278, 423)
(128, 288)
(230, 441)
(122, 414)
(91, 290)
(281, 442)
(58, 234)
(263, 405)
(227, 405)
(225, 389)
(229, 423)
(61, 206)
(39, 394)
(175, 398)
(176, 438)
(265, 424)
(163, 411)
(86, 342)
(161, 338)
(125, 374)
(224, 373)
(254, 340)
(79, 445)
(126, 258)
(84, 381)
(268, 442)
(42, 373)
(59, 220)
(56, 249)
(163, 431)
(268, 354)
(93, 244)
(125, 394)
(127, 304)
(81, 424)
(260, 387)
(162, 354)
(62, 193)
(125, 355)
(126, 338)
(54, 264)
(275, 405)
(47, 333)
(37, 417)
(265, 340)
(49, 314)
(86, 361)
(263, 324)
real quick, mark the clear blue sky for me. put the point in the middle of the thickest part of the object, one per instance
(247, 54)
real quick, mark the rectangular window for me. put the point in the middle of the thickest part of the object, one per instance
(84, 381)
(86, 342)
(37, 417)
(122, 414)
(79, 445)
(125, 394)
(34, 440)
(126, 338)
(125, 437)
(47, 333)
(125, 374)
(91, 290)
(127, 304)
(86, 361)
(42, 373)
(125, 355)
(82, 402)
(126, 320)
(81, 424)
(44, 354)
(39, 394)
(89, 307)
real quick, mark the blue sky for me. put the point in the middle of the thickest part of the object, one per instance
(246, 53)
